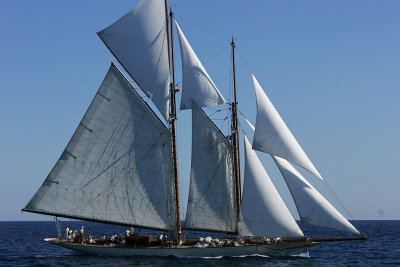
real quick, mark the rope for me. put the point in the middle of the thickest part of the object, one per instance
(203, 28)
(244, 61)
(338, 200)
(216, 54)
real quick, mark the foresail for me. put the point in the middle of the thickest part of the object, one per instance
(139, 41)
(211, 204)
(274, 137)
(198, 88)
(313, 208)
(117, 167)
(263, 212)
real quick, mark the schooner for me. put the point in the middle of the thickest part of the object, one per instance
(121, 165)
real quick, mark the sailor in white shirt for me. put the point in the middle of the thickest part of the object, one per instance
(82, 231)
(66, 232)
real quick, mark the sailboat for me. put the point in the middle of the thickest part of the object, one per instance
(121, 165)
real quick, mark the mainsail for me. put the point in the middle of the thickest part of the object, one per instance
(117, 167)
(263, 212)
(139, 41)
(211, 204)
(312, 206)
(273, 136)
(198, 88)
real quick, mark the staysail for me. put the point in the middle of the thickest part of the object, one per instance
(139, 41)
(263, 212)
(117, 167)
(198, 90)
(211, 204)
(273, 136)
(313, 208)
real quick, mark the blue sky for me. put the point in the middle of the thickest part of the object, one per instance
(331, 68)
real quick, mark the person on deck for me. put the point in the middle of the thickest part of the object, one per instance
(160, 237)
(90, 240)
(165, 239)
(104, 240)
(66, 232)
(74, 234)
(82, 232)
(132, 231)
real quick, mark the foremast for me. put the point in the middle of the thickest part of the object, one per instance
(235, 135)
(173, 114)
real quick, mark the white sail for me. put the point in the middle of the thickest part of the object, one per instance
(117, 166)
(139, 41)
(198, 88)
(211, 204)
(273, 136)
(263, 212)
(312, 206)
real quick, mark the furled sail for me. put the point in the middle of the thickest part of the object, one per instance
(139, 41)
(117, 167)
(198, 88)
(263, 212)
(312, 206)
(211, 204)
(273, 136)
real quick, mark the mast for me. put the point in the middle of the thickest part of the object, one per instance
(235, 135)
(173, 115)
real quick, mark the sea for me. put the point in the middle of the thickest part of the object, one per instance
(21, 244)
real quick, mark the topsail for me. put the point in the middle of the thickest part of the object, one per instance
(139, 41)
(198, 89)
(116, 167)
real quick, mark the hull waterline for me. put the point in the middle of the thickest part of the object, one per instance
(279, 249)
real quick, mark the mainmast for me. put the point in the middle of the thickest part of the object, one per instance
(173, 114)
(235, 135)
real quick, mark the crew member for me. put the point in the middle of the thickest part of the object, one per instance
(66, 232)
(82, 232)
